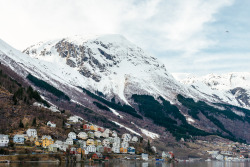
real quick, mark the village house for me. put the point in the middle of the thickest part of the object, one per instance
(53, 148)
(72, 135)
(107, 149)
(131, 150)
(106, 133)
(98, 142)
(117, 140)
(126, 137)
(154, 148)
(93, 128)
(73, 150)
(86, 127)
(75, 119)
(31, 133)
(82, 135)
(111, 140)
(90, 142)
(51, 124)
(115, 144)
(116, 149)
(106, 142)
(100, 149)
(123, 150)
(135, 139)
(18, 139)
(124, 144)
(82, 143)
(98, 134)
(91, 148)
(69, 141)
(114, 134)
(91, 135)
(144, 157)
(47, 141)
(4, 140)
(96, 156)
(38, 142)
(101, 129)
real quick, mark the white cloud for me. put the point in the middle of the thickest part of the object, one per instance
(176, 31)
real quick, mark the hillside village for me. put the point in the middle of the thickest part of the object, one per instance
(91, 141)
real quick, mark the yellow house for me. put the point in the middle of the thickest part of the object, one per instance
(79, 150)
(46, 141)
(38, 143)
(90, 142)
(98, 142)
(93, 127)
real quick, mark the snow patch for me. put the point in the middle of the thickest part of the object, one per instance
(116, 113)
(129, 129)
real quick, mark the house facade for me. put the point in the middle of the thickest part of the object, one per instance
(31, 133)
(82, 135)
(4, 140)
(18, 139)
(72, 135)
(47, 141)
(91, 149)
(51, 124)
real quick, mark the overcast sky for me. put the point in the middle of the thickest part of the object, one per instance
(188, 36)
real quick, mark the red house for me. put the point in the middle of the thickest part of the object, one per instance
(100, 129)
(107, 149)
(86, 126)
(97, 156)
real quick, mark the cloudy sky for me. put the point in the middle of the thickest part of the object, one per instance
(188, 36)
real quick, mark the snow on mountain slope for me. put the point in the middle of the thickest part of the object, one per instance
(233, 88)
(109, 64)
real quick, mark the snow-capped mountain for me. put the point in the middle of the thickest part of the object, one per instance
(109, 64)
(232, 88)
(109, 77)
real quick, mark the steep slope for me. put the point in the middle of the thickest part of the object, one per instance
(109, 64)
(232, 88)
(109, 77)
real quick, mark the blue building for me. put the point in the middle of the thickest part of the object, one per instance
(18, 139)
(131, 150)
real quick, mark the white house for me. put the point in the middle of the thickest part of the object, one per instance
(18, 139)
(111, 140)
(91, 149)
(126, 137)
(69, 141)
(154, 148)
(72, 135)
(144, 157)
(106, 142)
(82, 135)
(31, 133)
(4, 140)
(98, 134)
(117, 140)
(106, 133)
(114, 134)
(116, 144)
(124, 144)
(75, 119)
(116, 149)
(51, 124)
(135, 139)
(82, 143)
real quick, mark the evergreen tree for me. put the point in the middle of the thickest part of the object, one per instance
(34, 122)
(21, 124)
